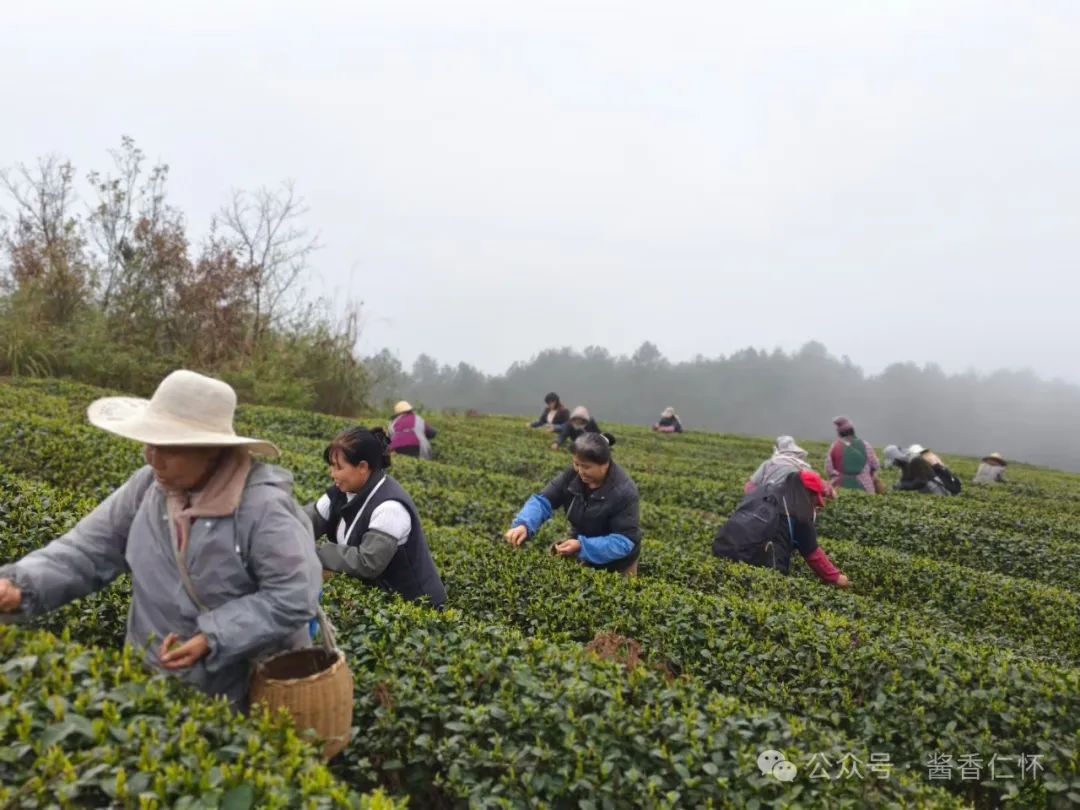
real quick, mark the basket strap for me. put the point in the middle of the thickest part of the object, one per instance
(329, 637)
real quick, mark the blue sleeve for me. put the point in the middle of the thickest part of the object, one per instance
(678, 426)
(534, 514)
(604, 549)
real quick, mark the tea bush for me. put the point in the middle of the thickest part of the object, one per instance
(959, 635)
(89, 727)
(503, 720)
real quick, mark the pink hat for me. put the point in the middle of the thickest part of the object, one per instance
(843, 424)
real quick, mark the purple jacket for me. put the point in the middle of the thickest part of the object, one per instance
(403, 434)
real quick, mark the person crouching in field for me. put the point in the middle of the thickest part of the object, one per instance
(991, 470)
(787, 458)
(895, 457)
(602, 506)
(669, 422)
(410, 435)
(927, 474)
(372, 523)
(776, 519)
(222, 566)
(579, 423)
(554, 415)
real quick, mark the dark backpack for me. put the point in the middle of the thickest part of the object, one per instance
(755, 535)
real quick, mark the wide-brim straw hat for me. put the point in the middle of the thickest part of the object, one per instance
(186, 410)
(402, 407)
(996, 458)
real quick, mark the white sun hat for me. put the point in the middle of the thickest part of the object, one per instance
(187, 410)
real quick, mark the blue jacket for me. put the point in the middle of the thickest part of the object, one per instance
(606, 520)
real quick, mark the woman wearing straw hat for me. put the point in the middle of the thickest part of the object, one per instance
(410, 435)
(669, 422)
(992, 470)
(222, 565)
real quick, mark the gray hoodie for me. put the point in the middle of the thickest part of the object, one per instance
(255, 571)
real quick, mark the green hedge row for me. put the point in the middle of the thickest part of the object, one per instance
(1023, 613)
(870, 667)
(898, 588)
(448, 708)
(1010, 541)
(468, 779)
(860, 677)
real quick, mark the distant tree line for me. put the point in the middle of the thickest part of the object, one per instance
(768, 393)
(100, 281)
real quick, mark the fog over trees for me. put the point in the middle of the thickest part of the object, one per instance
(767, 393)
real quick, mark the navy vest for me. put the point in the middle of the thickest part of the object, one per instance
(411, 571)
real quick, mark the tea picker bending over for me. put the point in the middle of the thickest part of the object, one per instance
(410, 434)
(927, 474)
(222, 566)
(895, 457)
(774, 520)
(669, 422)
(580, 422)
(602, 506)
(787, 458)
(991, 470)
(554, 415)
(372, 523)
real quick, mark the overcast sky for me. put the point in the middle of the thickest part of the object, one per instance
(899, 180)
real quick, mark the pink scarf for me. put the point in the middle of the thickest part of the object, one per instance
(219, 498)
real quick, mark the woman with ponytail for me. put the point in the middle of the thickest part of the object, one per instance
(602, 505)
(371, 523)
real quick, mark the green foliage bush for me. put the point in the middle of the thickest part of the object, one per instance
(855, 675)
(496, 704)
(503, 720)
(85, 727)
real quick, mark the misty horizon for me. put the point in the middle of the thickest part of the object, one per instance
(869, 371)
(766, 394)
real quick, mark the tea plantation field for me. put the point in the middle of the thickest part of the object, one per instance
(947, 676)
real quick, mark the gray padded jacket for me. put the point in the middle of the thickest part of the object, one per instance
(255, 571)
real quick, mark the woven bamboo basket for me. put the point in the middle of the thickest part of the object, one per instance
(314, 685)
